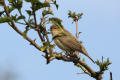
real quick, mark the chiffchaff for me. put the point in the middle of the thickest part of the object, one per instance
(66, 41)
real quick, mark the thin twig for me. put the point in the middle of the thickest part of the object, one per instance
(34, 15)
(21, 23)
(111, 76)
(74, 59)
(77, 34)
(19, 10)
(18, 31)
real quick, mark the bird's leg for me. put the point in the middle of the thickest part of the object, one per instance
(72, 54)
(76, 53)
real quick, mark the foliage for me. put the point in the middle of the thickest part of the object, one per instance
(30, 21)
(4, 19)
(103, 65)
(55, 3)
(45, 12)
(56, 20)
(74, 16)
(16, 3)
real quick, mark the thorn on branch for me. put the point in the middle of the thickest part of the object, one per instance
(34, 40)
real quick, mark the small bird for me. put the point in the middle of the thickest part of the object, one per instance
(66, 41)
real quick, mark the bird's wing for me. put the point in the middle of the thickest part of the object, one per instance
(73, 44)
(70, 42)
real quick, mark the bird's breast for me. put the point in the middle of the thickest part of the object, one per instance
(60, 45)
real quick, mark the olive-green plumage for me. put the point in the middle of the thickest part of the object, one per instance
(66, 41)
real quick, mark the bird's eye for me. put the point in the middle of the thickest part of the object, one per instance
(55, 28)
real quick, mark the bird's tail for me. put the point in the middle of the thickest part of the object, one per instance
(86, 54)
(90, 58)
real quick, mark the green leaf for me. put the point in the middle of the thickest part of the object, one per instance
(26, 29)
(97, 62)
(45, 5)
(17, 18)
(1, 12)
(36, 4)
(103, 65)
(14, 17)
(44, 13)
(25, 32)
(108, 60)
(42, 29)
(1, 3)
(11, 1)
(19, 4)
(52, 46)
(56, 20)
(31, 22)
(32, 1)
(74, 16)
(83, 60)
(10, 9)
(54, 2)
(60, 53)
(57, 6)
(5, 19)
(20, 17)
(16, 3)
(42, 49)
(80, 15)
(39, 5)
(70, 14)
(29, 12)
(46, 46)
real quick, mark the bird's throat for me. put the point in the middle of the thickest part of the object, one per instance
(59, 35)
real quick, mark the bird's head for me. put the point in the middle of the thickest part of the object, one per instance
(55, 29)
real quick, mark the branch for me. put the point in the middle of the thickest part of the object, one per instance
(74, 59)
(85, 71)
(111, 76)
(18, 31)
(77, 34)
(34, 15)
(49, 54)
